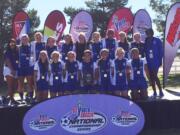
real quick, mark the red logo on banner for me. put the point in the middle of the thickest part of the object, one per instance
(59, 30)
(18, 27)
(121, 20)
(173, 30)
(20, 24)
(54, 25)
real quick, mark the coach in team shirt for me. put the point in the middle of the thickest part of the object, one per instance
(154, 54)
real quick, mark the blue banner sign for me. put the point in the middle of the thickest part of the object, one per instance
(84, 114)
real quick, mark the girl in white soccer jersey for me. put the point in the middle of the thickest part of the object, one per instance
(41, 76)
(37, 45)
(51, 45)
(110, 43)
(137, 82)
(120, 73)
(104, 71)
(25, 67)
(56, 75)
(96, 46)
(71, 73)
(87, 67)
(67, 46)
(124, 43)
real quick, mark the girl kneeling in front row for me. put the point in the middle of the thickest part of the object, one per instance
(137, 82)
(41, 76)
(56, 75)
(72, 73)
(87, 67)
(104, 72)
(120, 73)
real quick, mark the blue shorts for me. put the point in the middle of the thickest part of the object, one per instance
(140, 84)
(42, 85)
(120, 87)
(87, 88)
(27, 71)
(71, 86)
(105, 87)
(57, 88)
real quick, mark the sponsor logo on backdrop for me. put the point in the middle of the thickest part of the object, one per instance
(121, 24)
(82, 27)
(124, 119)
(59, 30)
(142, 27)
(83, 120)
(18, 27)
(174, 31)
(42, 123)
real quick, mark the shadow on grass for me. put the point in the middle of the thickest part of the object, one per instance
(172, 81)
(3, 89)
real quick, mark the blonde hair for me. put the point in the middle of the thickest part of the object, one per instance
(134, 50)
(104, 50)
(82, 34)
(71, 52)
(87, 51)
(120, 49)
(24, 35)
(122, 33)
(44, 52)
(54, 53)
(96, 33)
(136, 33)
(38, 33)
(69, 35)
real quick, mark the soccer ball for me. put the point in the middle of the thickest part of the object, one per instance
(65, 121)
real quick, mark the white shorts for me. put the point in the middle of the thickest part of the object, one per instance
(7, 72)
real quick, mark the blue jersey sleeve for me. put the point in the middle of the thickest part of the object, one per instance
(160, 49)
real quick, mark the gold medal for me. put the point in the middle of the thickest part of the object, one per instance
(42, 77)
(138, 72)
(72, 77)
(120, 74)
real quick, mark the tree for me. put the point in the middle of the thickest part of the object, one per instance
(161, 8)
(101, 11)
(8, 8)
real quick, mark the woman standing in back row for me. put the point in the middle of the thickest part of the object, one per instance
(154, 55)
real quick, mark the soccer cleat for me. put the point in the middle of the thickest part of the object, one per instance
(161, 94)
(155, 94)
(13, 102)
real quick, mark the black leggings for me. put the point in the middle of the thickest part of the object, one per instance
(154, 80)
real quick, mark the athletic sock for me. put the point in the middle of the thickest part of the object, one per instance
(30, 94)
(21, 94)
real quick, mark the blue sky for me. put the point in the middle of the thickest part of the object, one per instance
(44, 7)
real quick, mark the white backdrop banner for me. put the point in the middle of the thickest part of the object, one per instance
(172, 38)
(142, 21)
(82, 22)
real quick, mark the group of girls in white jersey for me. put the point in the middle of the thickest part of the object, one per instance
(100, 66)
